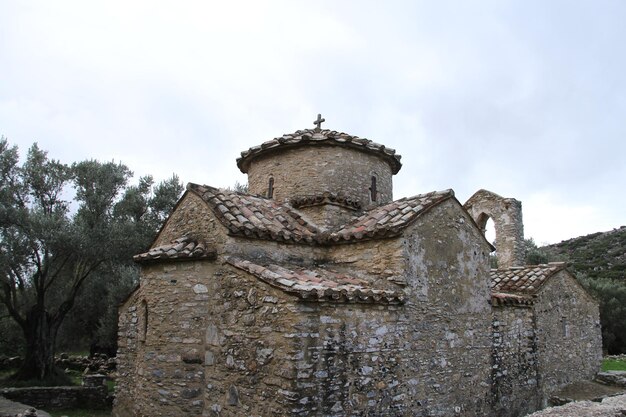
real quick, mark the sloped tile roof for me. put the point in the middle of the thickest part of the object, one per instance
(390, 219)
(184, 248)
(312, 137)
(318, 284)
(262, 218)
(523, 280)
(500, 299)
(257, 217)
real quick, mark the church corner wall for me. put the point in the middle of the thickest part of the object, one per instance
(568, 333)
(166, 320)
(126, 356)
(448, 294)
(514, 367)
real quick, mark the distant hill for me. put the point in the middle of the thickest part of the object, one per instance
(598, 255)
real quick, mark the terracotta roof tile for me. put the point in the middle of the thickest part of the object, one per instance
(323, 136)
(263, 218)
(499, 299)
(184, 248)
(390, 219)
(523, 280)
(258, 217)
(318, 284)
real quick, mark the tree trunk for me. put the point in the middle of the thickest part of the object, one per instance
(40, 335)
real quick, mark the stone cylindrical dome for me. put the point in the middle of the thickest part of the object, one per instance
(321, 165)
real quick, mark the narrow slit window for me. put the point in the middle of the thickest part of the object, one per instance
(373, 191)
(270, 188)
(143, 322)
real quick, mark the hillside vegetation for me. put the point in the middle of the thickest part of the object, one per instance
(599, 262)
(598, 255)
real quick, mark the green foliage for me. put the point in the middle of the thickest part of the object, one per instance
(612, 297)
(533, 254)
(73, 267)
(239, 187)
(609, 364)
(598, 255)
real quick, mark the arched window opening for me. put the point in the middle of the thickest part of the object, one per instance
(490, 231)
(270, 188)
(373, 190)
(490, 235)
(143, 322)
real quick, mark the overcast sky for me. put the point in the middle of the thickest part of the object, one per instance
(524, 98)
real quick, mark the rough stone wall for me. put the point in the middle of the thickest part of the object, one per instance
(57, 398)
(514, 367)
(127, 351)
(167, 371)
(446, 267)
(568, 334)
(506, 214)
(318, 169)
(327, 216)
(192, 217)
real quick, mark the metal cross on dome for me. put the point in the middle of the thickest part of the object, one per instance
(319, 122)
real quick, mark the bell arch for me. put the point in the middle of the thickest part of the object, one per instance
(506, 214)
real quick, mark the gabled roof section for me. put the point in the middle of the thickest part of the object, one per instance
(314, 137)
(317, 284)
(256, 217)
(181, 249)
(523, 280)
(262, 218)
(389, 220)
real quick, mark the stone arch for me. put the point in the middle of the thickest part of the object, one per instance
(506, 214)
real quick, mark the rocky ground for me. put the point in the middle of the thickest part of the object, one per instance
(13, 409)
(609, 407)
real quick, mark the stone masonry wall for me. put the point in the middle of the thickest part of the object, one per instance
(506, 214)
(568, 336)
(192, 217)
(169, 364)
(318, 169)
(514, 365)
(127, 346)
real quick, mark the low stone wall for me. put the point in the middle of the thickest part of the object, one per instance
(93, 394)
(98, 363)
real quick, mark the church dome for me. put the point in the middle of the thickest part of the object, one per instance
(313, 164)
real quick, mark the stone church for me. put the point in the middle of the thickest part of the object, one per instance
(318, 294)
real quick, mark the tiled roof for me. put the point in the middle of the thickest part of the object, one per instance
(318, 284)
(256, 217)
(523, 280)
(320, 137)
(500, 298)
(262, 218)
(180, 249)
(390, 219)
